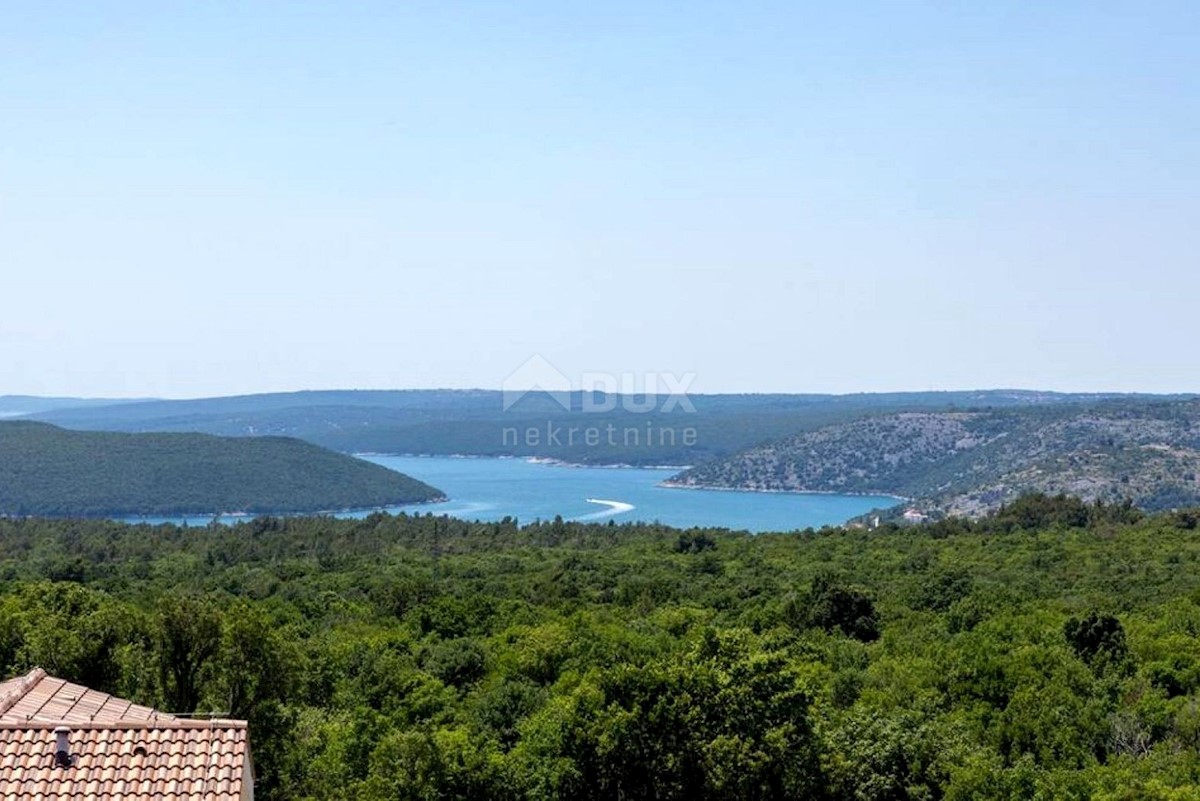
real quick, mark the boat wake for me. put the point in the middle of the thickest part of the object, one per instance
(612, 509)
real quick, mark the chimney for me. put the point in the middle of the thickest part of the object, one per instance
(62, 747)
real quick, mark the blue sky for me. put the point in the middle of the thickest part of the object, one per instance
(213, 198)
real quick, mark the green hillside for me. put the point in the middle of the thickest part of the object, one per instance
(969, 462)
(46, 470)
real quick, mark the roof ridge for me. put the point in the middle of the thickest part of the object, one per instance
(23, 685)
(42, 696)
(132, 723)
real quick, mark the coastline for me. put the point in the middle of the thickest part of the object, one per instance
(668, 484)
(545, 460)
(242, 516)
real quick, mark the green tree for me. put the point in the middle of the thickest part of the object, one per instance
(189, 637)
(1098, 639)
(835, 607)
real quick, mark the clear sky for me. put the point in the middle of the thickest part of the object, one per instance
(218, 197)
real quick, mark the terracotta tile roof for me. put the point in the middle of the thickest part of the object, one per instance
(150, 757)
(36, 696)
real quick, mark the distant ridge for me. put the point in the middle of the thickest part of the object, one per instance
(21, 405)
(439, 421)
(45, 470)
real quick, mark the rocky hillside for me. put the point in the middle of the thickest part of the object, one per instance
(972, 461)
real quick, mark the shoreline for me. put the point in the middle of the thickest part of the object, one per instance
(668, 484)
(135, 519)
(545, 460)
(665, 484)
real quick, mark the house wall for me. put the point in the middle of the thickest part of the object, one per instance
(247, 780)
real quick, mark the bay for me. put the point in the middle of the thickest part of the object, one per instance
(490, 489)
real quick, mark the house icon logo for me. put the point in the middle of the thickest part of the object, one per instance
(540, 376)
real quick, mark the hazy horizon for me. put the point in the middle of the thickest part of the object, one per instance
(952, 390)
(202, 199)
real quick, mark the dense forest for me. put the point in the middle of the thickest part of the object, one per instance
(1047, 651)
(45, 470)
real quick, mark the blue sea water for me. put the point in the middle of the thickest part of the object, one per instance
(490, 489)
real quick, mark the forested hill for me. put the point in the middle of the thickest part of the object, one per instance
(50, 471)
(972, 461)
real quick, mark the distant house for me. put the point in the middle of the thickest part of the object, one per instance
(63, 741)
(914, 516)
